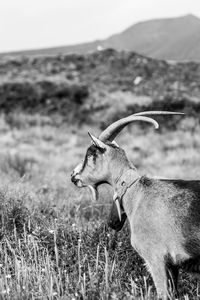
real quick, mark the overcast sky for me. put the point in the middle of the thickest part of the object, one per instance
(27, 24)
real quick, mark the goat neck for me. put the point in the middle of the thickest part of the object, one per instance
(122, 178)
(127, 179)
(118, 165)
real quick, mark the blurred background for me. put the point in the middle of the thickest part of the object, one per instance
(68, 67)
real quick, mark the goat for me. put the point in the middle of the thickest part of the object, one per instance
(164, 214)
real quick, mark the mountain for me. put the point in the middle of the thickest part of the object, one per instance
(169, 39)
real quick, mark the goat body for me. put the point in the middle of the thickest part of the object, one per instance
(164, 215)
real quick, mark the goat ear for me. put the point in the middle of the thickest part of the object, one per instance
(97, 142)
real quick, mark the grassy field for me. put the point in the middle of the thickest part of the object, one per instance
(55, 243)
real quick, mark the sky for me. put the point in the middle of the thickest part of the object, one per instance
(31, 24)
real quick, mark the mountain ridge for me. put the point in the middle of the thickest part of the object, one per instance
(175, 38)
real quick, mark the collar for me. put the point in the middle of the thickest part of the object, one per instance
(126, 180)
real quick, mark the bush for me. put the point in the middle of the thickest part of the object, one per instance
(45, 95)
(16, 163)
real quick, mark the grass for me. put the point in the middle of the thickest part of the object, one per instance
(44, 256)
(54, 241)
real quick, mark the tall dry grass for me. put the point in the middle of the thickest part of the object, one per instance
(55, 243)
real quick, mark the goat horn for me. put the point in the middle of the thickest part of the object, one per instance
(150, 113)
(114, 129)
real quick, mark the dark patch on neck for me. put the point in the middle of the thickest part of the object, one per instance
(192, 265)
(113, 219)
(168, 260)
(145, 181)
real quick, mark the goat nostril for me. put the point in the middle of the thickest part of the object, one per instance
(73, 179)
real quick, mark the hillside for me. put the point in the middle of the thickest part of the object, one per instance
(55, 240)
(169, 39)
(98, 86)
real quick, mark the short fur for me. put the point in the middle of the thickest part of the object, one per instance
(165, 222)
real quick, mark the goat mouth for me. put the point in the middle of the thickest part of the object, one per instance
(79, 183)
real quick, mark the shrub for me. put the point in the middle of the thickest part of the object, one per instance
(16, 163)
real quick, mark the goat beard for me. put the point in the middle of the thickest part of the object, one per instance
(94, 192)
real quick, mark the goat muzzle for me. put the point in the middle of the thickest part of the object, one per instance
(77, 181)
